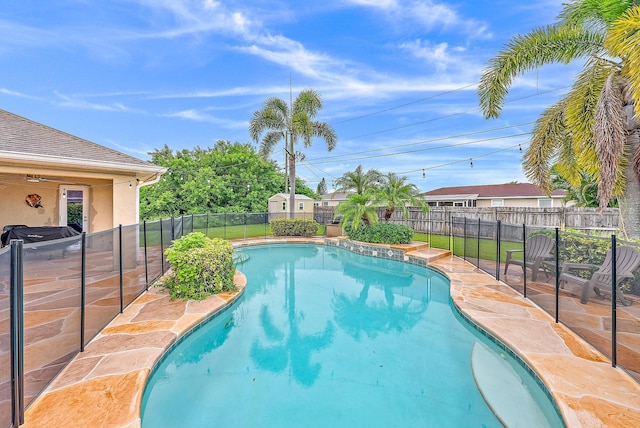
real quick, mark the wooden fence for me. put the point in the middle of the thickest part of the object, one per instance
(439, 219)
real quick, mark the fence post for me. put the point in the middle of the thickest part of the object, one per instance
(524, 258)
(146, 258)
(225, 226)
(244, 216)
(173, 229)
(478, 255)
(120, 267)
(498, 238)
(161, 248)
(464, 239)
(207, 225)
(191, 223)
(83, 288)
(614, 289)
(17, 332)
(557, 273)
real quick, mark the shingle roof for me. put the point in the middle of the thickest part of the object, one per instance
(495, 191)
(286, 196)
(21, 135)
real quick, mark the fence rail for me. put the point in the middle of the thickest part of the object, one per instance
(76, 286)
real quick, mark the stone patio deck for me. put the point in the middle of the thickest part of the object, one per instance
(103, 386)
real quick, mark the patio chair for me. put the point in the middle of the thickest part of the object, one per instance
(539, 248)
(627, 260)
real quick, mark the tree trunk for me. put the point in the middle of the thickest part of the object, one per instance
(292, 184)
(629, 202)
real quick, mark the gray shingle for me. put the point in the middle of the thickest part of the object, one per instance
(21, 135)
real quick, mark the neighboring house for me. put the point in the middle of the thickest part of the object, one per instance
(279, 205)
(523, 195)
(334, 198)
(73, 180)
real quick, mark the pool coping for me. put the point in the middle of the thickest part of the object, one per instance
(103, 386)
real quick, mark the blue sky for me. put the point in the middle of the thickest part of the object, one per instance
(398, 77)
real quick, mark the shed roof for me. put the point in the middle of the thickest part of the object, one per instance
(286, 196)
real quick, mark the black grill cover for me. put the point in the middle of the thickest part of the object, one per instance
(38, 234)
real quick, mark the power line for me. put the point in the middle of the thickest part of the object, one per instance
(426, 149)
(406, 104)
(426, 141)
(451, 115)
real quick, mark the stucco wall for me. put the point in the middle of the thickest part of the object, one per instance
(110, 199)
(14, 209)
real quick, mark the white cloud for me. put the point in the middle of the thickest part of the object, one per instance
(68, 101)
(427, 13)
(199, 116)
(16, 94)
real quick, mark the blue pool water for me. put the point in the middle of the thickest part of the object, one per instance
(323, 337)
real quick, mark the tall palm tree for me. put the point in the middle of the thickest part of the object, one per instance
(357, 208)
(592, 129)
(396, 193)
(291, 123)
(358, 180)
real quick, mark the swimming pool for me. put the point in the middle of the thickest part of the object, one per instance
(325, 337)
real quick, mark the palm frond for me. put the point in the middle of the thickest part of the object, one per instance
(270, 140)
(546, 45)
(308, 101)
(277, 104)
(594, 14)
(326, 132)
(549, 133)
(610, 137)
(623, 41)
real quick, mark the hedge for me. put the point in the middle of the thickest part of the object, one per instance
(295, 227)
(380, 233)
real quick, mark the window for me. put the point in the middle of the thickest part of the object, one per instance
(325, 203)
(545, 203)
(284, 206)
(497, 202)
(300, 206)
(458, 204)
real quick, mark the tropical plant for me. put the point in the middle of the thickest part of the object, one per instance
(395, 193)
(291, 123)
(200, 266)
(322, 187)
(357, 208)
(358, 180)
(592, 129)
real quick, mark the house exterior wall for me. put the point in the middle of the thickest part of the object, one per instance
(110, 199)
(518, 202)
(14, 209)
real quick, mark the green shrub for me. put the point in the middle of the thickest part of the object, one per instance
(380, 233)
(296, 227)
(200, 267)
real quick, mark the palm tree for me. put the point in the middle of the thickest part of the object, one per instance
(357, 208)
(395, 193)
(592, 128)
(358, 180)
(291, 123)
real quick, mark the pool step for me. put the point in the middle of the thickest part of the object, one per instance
(503, 389)
(430, 254)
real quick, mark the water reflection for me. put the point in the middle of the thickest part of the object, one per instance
(290, 349)
(356, 315)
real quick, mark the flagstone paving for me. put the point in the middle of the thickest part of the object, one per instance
(103, 386)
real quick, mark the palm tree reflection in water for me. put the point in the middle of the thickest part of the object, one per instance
(355, 315)
(291, 350)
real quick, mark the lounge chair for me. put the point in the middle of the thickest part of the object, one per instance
(538, 249)
(627, 260)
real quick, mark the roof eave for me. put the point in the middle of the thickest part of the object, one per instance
(82, 164)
